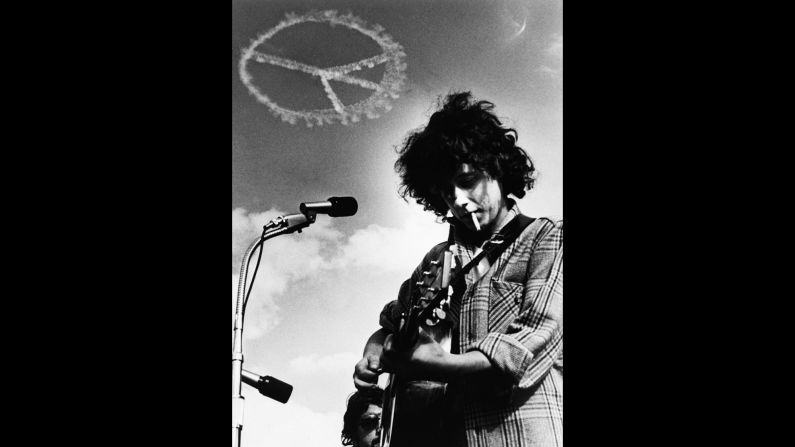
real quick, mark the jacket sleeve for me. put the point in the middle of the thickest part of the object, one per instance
(526, 350)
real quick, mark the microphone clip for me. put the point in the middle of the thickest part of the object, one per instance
(310, 214)
(290, 223)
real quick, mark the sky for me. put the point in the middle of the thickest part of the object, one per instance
(309, 121)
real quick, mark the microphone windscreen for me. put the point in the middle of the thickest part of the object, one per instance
(343, 206)
(275, 389)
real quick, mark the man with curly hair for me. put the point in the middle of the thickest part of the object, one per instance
(503, 373)
(360, 423)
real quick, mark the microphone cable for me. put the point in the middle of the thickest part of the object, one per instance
(260, 246)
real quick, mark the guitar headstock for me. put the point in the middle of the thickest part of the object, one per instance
(429, 307)
(430, 302)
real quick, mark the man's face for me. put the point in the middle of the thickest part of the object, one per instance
(367, 426)
(472, 192)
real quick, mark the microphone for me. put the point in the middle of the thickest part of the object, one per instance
(333, 206)
(268, 386)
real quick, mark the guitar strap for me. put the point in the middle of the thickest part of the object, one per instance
(494, 247)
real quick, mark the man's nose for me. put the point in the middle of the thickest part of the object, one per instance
(461, 199)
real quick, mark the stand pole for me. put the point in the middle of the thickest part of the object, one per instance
(237, 367)
(278, 226)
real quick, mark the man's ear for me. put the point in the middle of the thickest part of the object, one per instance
(502, 188)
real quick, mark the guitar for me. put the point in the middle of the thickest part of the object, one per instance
(430, 312)
(412, 408)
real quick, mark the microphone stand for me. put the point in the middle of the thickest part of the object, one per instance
(276, 227)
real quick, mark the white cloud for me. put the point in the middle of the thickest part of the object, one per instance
(549, 71)
(555, 48)
(554, 51)
(285, 258)
(321, 254)
(247, 227)
(269, 423)
(325, 365)
(264, 315)
(392, 249)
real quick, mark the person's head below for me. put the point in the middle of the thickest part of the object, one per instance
(362, 417)
(465, 161)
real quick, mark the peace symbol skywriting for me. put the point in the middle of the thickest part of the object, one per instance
(383, 92)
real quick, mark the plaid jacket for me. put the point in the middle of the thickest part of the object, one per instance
(514, 315)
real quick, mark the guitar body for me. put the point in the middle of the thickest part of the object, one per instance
(412, 412)
(412, 415)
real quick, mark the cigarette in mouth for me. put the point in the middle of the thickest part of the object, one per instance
(475, 221)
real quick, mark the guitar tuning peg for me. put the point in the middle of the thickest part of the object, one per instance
(440, 314)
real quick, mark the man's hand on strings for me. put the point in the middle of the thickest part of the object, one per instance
(366, 372)
(426, 360)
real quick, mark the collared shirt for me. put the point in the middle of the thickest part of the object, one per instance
(511, 311)
(483, 266)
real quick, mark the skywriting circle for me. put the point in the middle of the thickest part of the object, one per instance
(383, 92)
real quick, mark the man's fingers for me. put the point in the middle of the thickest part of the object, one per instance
(363, 385)
(366, 372)
(367, 375)
(374, 364)
(364, 379)
(388, 342)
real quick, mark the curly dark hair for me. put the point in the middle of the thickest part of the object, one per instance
(357, 404)
(461, 131)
